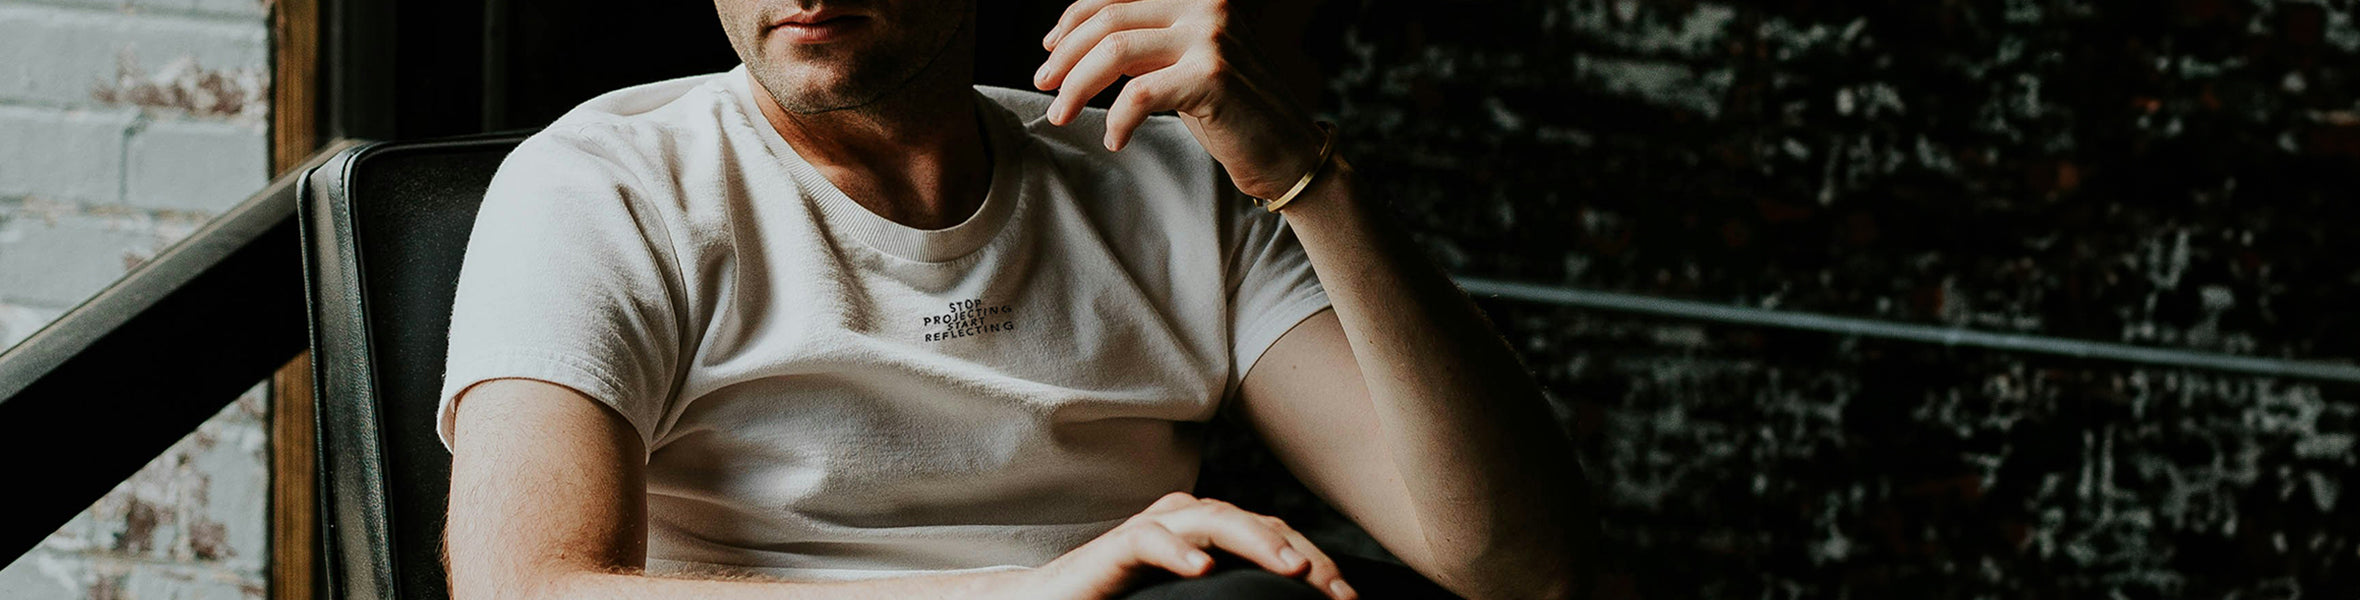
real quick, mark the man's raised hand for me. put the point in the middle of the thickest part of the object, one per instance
(1172, 535)
(1184, 56)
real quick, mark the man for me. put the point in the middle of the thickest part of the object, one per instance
(840, 324)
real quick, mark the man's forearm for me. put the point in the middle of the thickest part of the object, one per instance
(1493, 480)
(594, 585)
(548, 503)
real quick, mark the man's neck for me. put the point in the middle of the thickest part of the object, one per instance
(916, 157)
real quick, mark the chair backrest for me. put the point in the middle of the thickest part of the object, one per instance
(384, 229)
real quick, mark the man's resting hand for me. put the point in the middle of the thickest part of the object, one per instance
(1173, 535)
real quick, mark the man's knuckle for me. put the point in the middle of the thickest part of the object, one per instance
(1205, 508)
(1120, 42)
(1139, 534)
(1094, 28)
(1212, 66)
(1275, 539)
(1119, 13)
(1239, 517)
(1133, 534)
(1139, 527)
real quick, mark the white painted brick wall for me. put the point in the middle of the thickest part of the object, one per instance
(195, 165)
(61, 56)
(56, 256)
(71, 155)
(18, 321)
(124, 125)
(239, 10)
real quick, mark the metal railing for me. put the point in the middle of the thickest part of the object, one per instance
(95, 395)
(1930, 334)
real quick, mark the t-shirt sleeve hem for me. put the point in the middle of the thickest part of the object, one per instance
(1256, 338)
(559, 368)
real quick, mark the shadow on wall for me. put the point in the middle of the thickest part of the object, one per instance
(2176, 175)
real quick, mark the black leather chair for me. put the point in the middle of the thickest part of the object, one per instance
(384, 228)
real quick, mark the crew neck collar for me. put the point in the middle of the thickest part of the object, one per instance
(1001, 130)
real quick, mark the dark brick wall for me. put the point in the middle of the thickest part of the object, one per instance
(2178, 174)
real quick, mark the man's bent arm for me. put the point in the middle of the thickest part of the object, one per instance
(1407, 410)
(548, 501)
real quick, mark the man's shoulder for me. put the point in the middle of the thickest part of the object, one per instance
(652, 102)
(1028, 105)
(645, 115)
(1161, 179)
(1163, 138)
(637, 128)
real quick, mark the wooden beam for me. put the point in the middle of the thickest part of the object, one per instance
(294, 131)
(294, 506)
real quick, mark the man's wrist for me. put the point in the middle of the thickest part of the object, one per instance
(1330, 193)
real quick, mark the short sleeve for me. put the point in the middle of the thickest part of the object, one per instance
(570, 277)
(1271, 285)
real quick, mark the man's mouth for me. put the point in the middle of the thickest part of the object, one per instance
(820, 27)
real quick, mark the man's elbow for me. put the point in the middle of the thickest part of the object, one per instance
(1551, 571)
(1565, 586)
(1505, 584)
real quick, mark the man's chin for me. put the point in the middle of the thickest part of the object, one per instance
(809, 99)
(806, 89)
(832, 83)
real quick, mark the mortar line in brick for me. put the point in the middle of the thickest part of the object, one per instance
(173, 116)
(193, 564)
(88, 208)
(123, 158)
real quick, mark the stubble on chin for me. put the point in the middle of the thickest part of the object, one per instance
(860, 78)
(803, 89)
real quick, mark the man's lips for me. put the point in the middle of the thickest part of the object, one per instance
(820, 27)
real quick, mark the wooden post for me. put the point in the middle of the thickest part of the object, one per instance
(294, 504)
(295, 29)
(294, 530)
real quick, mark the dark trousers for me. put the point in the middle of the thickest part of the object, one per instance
(1237, 579)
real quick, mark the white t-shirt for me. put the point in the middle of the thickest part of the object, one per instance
(827, 394)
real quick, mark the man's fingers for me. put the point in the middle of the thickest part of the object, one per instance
(1120, 17)
(1152, 545)
(1324, 573)
(1215, 524)
(1074, 15)
(1184, 84)
(1171, 501)
(1174, 533)
(1163, 89)
(1127, 52)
